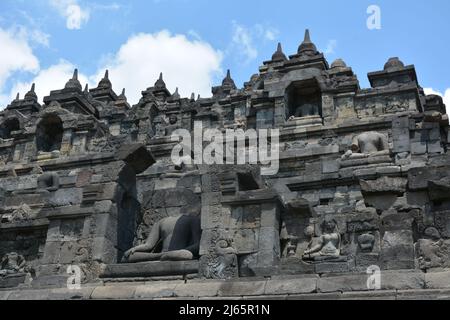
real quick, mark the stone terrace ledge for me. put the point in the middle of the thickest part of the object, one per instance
(395, 285)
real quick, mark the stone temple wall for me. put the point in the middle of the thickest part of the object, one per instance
(363, 178)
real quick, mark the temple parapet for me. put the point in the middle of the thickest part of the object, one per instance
(88, 180)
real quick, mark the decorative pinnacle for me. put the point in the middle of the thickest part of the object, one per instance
(86, 88)
(160, 84)
(279, 49)
(307, 47)
(105, 83)
(31, 95)
(176, 94)
(228, 81)
(74, 83)
(279, 55)
(18, 96)
(307, 36)
(122, 96)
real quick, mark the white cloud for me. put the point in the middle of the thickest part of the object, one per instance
(75, 15)
(331, 46)
(244, 38)
(52, 78)
(31, 35)
(193, 66)
(40, 37)
(264, 32)
(16, 55)
(271, 34)
(445, 96)
(112, 7)
(190, 65)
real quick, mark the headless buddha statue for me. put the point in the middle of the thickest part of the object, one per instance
(368, 144)
(171, 239)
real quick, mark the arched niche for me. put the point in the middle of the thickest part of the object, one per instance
(49, 133)
(9, 126)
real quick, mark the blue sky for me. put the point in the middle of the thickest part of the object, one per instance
(194, 41)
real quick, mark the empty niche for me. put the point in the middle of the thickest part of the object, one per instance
(49, 134)
(8, 127)
(247, 182)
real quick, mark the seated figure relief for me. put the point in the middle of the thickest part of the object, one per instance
(368, 144)
(171, 239)
(173, 125)
(165, 127)
(325, 247)
(12, 263)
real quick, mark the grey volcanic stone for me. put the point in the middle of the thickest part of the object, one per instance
(361, 180)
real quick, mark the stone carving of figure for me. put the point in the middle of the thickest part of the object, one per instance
(368, 143)
(173, 125)
(21, 214)
(184, 168)
(159, 125)
(12, 263)
(328, 245)
(171, 239)
(222, 261)
(48, 181)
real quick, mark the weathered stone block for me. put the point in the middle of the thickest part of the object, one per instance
(29, 295)
(355, 282)
(113, 293)
(66, 197)
(292, 286)
(330, 166)
(150, 269)
(14, 280)
(241, 288)
(156, 290)
(435, 147)
(334, 267)
(437, 280)
(384, 184)
(198, 289)
(397, 250)
(418, 147)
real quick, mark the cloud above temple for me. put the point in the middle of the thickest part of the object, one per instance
(245, 39)
(76, 16)
(190, 65)
(17, 55)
